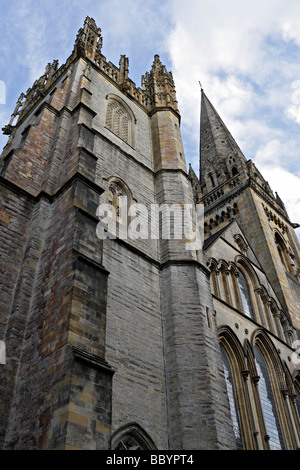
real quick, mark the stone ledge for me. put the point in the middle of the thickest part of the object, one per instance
(50, 198)
(85, 259)
(90, 360)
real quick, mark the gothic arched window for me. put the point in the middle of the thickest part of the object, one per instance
(120, 120)
(232, 399)
(118, 199)
(212, 181)
(132, 437)
(283, 252)
(268, 404)
(245, 295)
(119, 202)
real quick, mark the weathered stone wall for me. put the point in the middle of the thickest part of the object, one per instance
(103, 333)
(55, 325)
(197, 402)
(134, 342)
(261, 235)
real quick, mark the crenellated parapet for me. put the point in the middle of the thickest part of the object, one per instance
(158, 89)
(33, 95)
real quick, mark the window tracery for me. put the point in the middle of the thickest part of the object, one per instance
(245, 295)
(120, 120)
(119, 200)
(241, 243)
(117, 197)
(131, 437)
(259, 393)
(236, 376)
(283, 252)
(231, 393)
(266, 395)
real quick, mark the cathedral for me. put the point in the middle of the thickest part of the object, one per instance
(128, 322)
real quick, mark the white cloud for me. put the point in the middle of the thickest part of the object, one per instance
(246, 54)
(243, 52)
(285, 183)
(228, 46)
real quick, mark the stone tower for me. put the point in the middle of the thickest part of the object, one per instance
(106, 337)
(118, 329)
(232, 187)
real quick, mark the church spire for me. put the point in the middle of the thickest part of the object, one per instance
(217, 146)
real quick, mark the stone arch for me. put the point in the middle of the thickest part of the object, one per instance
(284, 251)
(213, 266)
(288, 379)
(296, 378)
(223, 273)
(249, 358)
(242, 261)
(267, 309)
(232, 344)
(235, 356)
(232, 165)
(131, 437)
(269, 385)
(241, 243)
(120, 119)
(210, 177)
(119, 198)
(271, 355)
(247, 281)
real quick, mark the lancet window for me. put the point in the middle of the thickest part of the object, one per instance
(283, 252)
(245, 295)
(132, 437)
(268, 405)
(120, 120)
(231, 393)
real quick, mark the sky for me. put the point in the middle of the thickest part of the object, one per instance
(245, 53)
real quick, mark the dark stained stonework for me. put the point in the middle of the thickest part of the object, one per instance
(116, 342)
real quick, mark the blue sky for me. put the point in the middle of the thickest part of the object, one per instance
(246, 53)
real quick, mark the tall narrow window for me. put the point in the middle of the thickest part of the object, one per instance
(245, 295)
(268, 403)
(212, 181)
(282, 251)
(120, 120)
(232, 399)
(118, 201)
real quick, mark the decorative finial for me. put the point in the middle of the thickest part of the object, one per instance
(200, 86)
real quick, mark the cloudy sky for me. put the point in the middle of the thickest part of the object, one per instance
(246, 53)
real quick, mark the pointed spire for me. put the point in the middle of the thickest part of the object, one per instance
(216, 142)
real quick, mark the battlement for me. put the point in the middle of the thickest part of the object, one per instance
(158, 89)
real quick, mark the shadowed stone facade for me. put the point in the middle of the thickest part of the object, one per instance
(117, 342)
